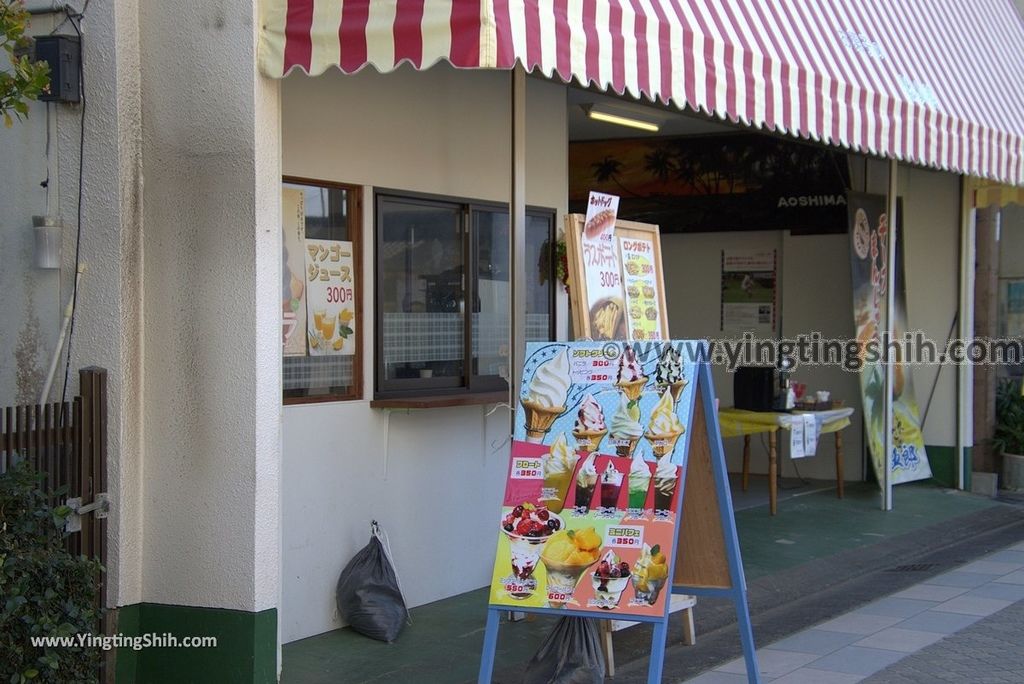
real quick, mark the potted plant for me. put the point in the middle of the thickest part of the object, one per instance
(1009, 436)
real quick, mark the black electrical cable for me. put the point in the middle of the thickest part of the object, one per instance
(75, 19)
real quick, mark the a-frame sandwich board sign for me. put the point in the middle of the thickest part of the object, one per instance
(616, 494)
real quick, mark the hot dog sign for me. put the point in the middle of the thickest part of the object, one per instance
(615, 275)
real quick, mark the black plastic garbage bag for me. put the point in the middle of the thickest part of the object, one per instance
(369, 595)
(571, 654)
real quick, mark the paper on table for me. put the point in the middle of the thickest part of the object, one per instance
(796, 439)
(810, 434)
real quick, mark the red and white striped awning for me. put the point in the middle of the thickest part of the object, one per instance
(938, 83)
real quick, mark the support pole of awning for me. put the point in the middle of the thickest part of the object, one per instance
(517, 240)
(890, 335)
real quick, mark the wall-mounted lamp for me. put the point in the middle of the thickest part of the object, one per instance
(48, 230)
(621, 116)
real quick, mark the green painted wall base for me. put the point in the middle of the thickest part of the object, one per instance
(246, 650)
(942, 460)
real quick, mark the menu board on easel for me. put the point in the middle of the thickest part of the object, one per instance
(616, 494)
(616, 280)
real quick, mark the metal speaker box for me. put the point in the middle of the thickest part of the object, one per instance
(63, 54)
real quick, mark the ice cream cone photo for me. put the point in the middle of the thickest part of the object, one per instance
(676, 388)
(664, 428)
(630, 379)
(590, 427)
(625, 446)
(668, 375)
(662, 445)
(588, 441)
(545, 396)
(632, 389)
(539, 419)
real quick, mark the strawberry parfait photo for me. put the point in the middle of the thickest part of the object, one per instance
(527, 528)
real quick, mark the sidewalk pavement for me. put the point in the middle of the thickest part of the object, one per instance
(960, 626)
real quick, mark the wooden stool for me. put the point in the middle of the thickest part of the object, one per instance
(679, 602)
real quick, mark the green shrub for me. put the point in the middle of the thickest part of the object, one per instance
(1009, 437)
(44, 590)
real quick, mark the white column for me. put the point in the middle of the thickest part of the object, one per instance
(212, 338)
(890, 335)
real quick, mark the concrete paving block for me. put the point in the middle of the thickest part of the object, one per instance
(940, 623)
(1012, 578)
(902, 640)
(816, 641)
(996, 590)
(973, 605)
(931, 592)
(857, 660)
(810, 675)
(897, 607)
(859, 623)
(958, 578)
(991, 567)
(717, 677)
(772, 662)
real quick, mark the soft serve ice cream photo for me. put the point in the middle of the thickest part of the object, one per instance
(668, 375)
(664, 428)
(631, 378)
(546, 394)
(590, 427)
(626, 429)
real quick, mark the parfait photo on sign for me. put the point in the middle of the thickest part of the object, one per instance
(588, 520)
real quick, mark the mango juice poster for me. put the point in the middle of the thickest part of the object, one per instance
(331, 297)
(588, 519)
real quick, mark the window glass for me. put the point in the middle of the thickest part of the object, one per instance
(540, 274)
(420, 292)
(330, 213)
(491, 292)
(438, 331)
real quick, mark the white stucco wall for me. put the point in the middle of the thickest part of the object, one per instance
(813, 295)
(931, 203)
(107, 319)
(211, 225)
(425, 475)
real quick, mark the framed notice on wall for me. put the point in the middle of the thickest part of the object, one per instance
(616, 283)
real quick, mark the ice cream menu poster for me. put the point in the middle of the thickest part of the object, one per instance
(588, 519)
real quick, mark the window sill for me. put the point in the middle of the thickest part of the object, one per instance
(441, 400)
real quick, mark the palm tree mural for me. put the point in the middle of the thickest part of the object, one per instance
(659, 163)
(608, 170)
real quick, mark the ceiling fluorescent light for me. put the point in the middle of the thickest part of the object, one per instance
(599, 112)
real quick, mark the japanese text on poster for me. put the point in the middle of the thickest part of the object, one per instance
(748, 290)
(601, 269)
(330, 285)
(641, 287)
